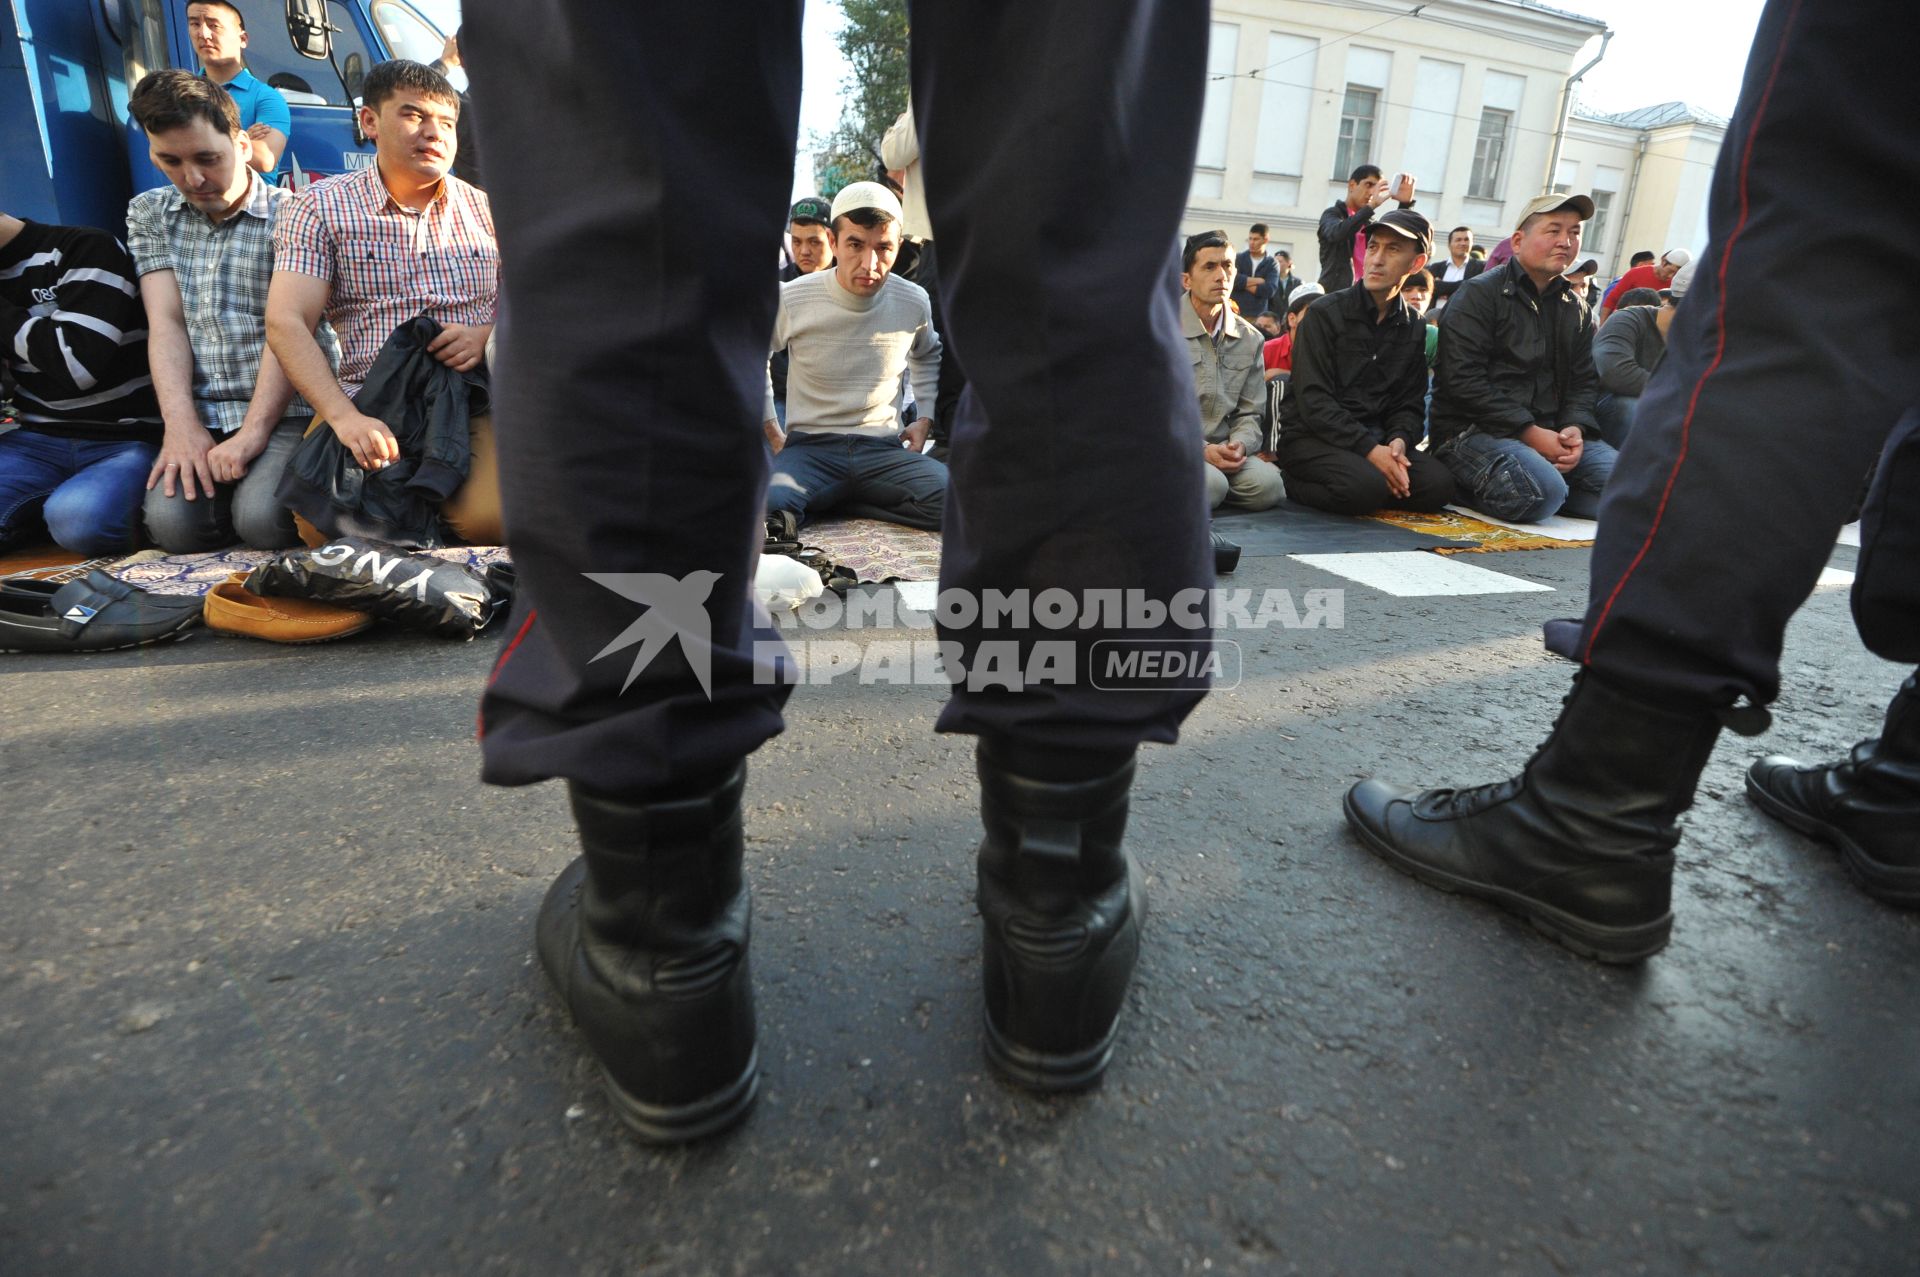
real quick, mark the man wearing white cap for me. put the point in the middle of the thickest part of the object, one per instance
(1514, 383)
(850, 333)
(1655, 275)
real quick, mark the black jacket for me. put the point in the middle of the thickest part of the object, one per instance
(1511, 358)
(1337, 229)
(1254, 287)
(1442, 289)
(1358, 381)
(426, 404)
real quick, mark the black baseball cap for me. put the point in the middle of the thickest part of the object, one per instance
(1407, 223)
(812, 209)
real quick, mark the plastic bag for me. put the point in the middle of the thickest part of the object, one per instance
(783, 584)
(414, 590)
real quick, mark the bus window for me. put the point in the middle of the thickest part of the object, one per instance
(272, 58)
(406, 34)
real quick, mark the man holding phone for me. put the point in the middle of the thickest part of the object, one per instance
(1343, 246)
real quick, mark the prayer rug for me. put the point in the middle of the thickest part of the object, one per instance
(875, 551)
(1468, 535)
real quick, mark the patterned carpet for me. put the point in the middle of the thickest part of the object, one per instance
(876, 551)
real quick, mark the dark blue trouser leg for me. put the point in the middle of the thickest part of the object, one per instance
(1886, 593)
(1757, 428)
(631, 371)
(810, 476)
(1064, 131)
(891, 483)
(629, 382)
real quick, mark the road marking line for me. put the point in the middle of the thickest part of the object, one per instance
(921, 596)
(1417, 573)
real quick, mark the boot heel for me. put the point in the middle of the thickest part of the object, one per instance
(1034, 971)
(685, 1123)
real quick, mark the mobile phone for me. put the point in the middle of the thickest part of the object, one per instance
(1399, 180)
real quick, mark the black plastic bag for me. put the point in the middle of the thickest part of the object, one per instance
(414, 590)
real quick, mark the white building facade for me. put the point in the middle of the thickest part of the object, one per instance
(1466, 95)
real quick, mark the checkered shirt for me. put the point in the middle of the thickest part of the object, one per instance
(223, 270)
(388, 263)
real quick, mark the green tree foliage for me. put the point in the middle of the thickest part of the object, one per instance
(874, 42)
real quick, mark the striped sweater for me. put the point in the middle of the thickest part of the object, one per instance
(73, 335)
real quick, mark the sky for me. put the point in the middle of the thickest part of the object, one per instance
(1668, 50)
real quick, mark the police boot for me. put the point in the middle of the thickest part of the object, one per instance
(1867, 805)
(1062, 905)
(645, 939)
(1580, 843)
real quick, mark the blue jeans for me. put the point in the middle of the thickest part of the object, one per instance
(88, 491)
(1614, 414)
(861, 476)
(1508, 480)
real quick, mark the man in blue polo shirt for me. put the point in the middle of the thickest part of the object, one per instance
(219, 36)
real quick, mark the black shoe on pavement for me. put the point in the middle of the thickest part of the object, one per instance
(1580, 843)
(1867, 805)
(98, 613)
(1061, 905)
(645, 939)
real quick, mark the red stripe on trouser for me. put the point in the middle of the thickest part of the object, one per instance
(506, 654)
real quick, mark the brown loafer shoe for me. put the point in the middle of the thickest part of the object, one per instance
(233, 609)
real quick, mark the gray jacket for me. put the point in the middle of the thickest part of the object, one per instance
(1627, 349)
(1230, 378)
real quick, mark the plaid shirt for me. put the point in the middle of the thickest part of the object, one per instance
(388, 263)
(223, 270)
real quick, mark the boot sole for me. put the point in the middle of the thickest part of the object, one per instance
(1616, 946)
(1889, 884)
(685, 1123)
(1063, 1073)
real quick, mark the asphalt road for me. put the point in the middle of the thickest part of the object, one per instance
(268, 1003)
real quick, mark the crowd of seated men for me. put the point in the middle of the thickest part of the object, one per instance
(1510, 398)
(163, 389)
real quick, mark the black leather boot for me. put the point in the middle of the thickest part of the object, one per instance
(1062, 906)
(1581, 842)
(645, 938)
(1867, 805)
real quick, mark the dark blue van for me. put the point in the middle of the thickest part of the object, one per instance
(70, 154)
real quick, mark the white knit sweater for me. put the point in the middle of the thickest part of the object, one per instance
(846, 354)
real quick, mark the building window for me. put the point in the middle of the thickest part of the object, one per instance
(1490, 154)
(1356, 131)
(1597, 228)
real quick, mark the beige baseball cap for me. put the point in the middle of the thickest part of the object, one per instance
(1551, 203)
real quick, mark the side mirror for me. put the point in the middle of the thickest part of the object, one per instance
(308, 28)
